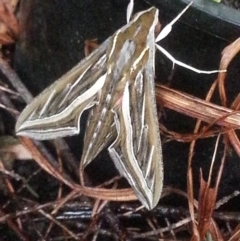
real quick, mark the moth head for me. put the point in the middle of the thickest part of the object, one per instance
(147, 18)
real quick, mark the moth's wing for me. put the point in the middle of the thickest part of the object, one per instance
(56, 111)
(137, 150)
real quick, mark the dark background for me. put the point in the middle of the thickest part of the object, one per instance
(52, 42)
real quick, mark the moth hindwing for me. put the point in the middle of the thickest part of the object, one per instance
(117, 83)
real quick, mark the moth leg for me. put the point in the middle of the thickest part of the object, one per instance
(168, 28)
(175, 61)
(130, 10)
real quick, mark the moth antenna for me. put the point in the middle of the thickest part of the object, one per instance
(130, 10)
(175, 61)
(168, 28)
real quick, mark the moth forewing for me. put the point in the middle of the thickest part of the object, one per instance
(56, 111)
(141, 165)
(129, 95)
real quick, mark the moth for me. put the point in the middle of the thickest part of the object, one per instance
(116, 82)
